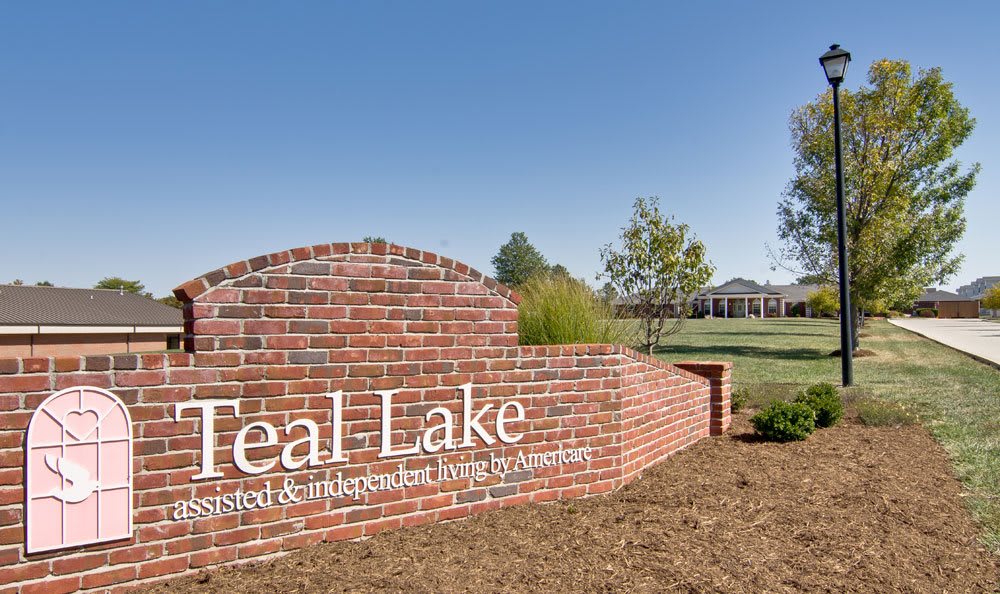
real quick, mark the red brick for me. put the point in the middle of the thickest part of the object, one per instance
(162, 567)
(24, 383)
(139, 378)
(51, 586)
(76, 564)
(25, 571)
(106, 578)
(213, 556)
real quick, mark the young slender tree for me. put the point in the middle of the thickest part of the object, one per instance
(824, 300)
(991, 299)
(904, 192)
(657, 271)
(518, 260)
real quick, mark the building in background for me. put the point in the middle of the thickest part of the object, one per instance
(977, 289)
(56, 321)
(947, 304)
(741, 298)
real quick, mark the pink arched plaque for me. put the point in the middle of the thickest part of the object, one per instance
(78, 465)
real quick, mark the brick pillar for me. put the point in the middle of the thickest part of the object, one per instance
(719, 376)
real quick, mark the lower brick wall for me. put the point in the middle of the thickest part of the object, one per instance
(631, 410)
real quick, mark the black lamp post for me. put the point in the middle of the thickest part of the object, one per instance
(835, 63)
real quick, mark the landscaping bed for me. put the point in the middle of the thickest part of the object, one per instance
(852, 508)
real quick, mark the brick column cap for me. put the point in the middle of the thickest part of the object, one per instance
(717, 366)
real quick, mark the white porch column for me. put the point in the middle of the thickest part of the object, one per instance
(746, 307)
(763, 307)
(725, 308)
(781, 308)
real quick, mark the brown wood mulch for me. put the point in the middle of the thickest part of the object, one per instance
(851, 509)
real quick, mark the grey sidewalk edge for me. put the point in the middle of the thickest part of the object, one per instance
(979, 358)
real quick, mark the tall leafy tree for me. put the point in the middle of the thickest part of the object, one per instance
(118, 283)
(658, 269)
(518, 260)
(904, 192)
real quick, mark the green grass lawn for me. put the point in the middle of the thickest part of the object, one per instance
(956, 397)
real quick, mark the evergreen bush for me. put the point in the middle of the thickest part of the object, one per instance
(825, 402)
(785, 421)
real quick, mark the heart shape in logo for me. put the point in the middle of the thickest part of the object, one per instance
(80, 423)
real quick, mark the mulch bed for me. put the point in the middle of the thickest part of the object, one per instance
(851, 509)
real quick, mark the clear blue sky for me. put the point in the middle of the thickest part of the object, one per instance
(161, 140)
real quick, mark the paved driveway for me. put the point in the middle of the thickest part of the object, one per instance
(979, 338)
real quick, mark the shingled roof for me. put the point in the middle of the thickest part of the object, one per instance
(739, 286)
(933, 294)
(23, 305)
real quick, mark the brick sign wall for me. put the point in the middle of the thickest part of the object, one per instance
(237, 452)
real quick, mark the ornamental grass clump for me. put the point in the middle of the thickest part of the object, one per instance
(825, 402)
(878, 413)
(738, 399)
(558, 309)
(785, 421)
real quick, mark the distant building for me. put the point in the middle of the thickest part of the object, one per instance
(57, 321)
(948, 304)
(978, 287)
(741, 298)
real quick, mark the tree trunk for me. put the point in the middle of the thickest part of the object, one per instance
(855, 327)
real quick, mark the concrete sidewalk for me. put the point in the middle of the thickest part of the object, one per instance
(978, 338)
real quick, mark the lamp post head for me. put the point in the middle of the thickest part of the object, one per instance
(834, 63)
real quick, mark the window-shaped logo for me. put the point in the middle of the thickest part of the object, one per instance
(78, 465)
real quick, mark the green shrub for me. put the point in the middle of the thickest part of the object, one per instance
(825, 402)
(927, 312)
(785, 421)
(558, 309)
(893, 314)
(879, 413)
(738, 399)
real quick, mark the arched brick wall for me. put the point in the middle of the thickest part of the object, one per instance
(276, 337)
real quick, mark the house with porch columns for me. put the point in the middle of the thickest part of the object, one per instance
(741, 298)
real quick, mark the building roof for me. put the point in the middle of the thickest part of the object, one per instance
(794, 293)
(932, 294)
(24, 305)
(739, 286)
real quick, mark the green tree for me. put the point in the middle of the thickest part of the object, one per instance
(904, 193)
(44, 283)
(659, 268)
(560, 270)
(991, 299)
(374, 239)
(118, 283)
(17, 282)
(822, 301)
(171, 301)
(518, 260)
(607, 293)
